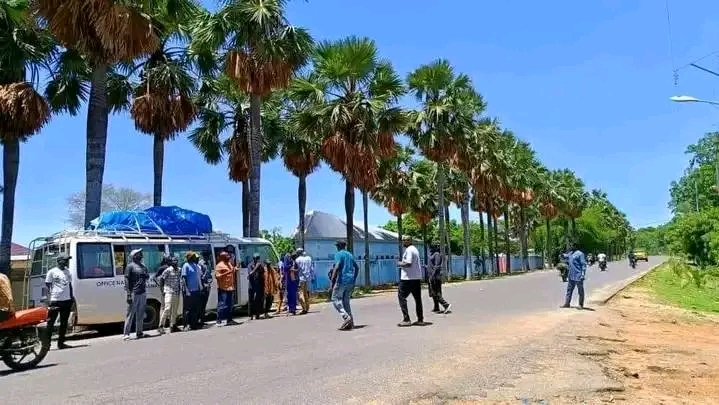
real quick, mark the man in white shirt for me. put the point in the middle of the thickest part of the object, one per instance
(60, 296)
(410, 282)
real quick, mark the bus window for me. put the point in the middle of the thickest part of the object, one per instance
(151, 256)
(205, 252)
(265, 250)
(118, 252)
(94, 260)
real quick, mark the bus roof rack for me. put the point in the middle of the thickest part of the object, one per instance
(134, 234)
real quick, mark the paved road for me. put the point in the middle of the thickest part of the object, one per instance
(298, 360)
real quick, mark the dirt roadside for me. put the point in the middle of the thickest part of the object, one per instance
(633, 350)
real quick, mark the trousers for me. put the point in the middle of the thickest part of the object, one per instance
(407, 288)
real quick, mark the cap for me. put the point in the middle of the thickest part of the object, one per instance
(63, 257)
(256, 255)
(341, 242)
(299, 251)
(134, 252)
(406, 238)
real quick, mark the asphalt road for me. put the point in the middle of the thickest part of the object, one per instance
(303, 359)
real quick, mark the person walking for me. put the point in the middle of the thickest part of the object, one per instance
(305, 268)
(410, 283)
(59, 286)
(225, 275)
(256, 288)
(434, 280)
(136, 276)
(192, 286)
(577, 271)
(169, 282)
(343, 276)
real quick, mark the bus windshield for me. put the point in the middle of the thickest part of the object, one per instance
(265, 250)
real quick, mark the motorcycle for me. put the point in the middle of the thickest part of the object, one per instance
(22, 338)
(602, 266)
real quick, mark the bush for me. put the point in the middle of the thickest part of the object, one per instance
(695, 236)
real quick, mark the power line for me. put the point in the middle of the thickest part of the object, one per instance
(671, 52)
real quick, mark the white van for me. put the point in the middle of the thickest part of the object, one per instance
(99, 259)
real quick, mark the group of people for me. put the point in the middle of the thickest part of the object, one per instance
(345, 269)
(290, 282)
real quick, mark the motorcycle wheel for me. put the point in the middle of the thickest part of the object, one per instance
(25, 349)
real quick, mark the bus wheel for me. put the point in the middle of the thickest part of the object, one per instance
(152, 315)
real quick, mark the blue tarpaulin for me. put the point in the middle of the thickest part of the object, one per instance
(155, 220)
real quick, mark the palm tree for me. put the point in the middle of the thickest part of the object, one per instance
(163, 105)
(222, 108)
(23, 112)
(300, 150)
(354, 96)
(548, 198)
(104, 33)
(448, 108)
(397, 191)
(573, 200)
(424, 207)
(262, 52)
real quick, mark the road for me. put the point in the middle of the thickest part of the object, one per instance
(306, 360)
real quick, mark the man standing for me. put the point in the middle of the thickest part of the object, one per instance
(434, 279)
(206, 280)
(169, 282)
(577, 270)
(225, 275)
(410, 282)
(305, 269)
(192, 284)
(135, 277)
(61, 297)
(342, 277)
(256, 288)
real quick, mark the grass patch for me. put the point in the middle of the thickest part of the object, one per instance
(675, 284)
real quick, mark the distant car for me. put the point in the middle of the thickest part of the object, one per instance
(641, 255)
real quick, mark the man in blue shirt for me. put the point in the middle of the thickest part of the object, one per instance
(577, 270)
(192, 286)
(342, 277)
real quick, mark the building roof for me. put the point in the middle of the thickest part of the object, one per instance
(18, 250)
(321, 225)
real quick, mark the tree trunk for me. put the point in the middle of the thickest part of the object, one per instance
(302, 203)
(96, 148)
(349, 214)
(508, 251)
(574, 230)
(426, 242)
(490, 238)
(481, 243)
(255, 163)
(465, 232)
(496, 241)
(548, 247)
(523, 235)
(440, 212)
(11, 165)
(365, 220)
(399, 236)
(246, 208)
(158, 162)
(448, 241)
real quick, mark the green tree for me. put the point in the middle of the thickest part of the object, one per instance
(24, 47)
(261, 52)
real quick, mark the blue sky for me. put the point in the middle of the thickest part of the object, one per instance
(587, 83)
